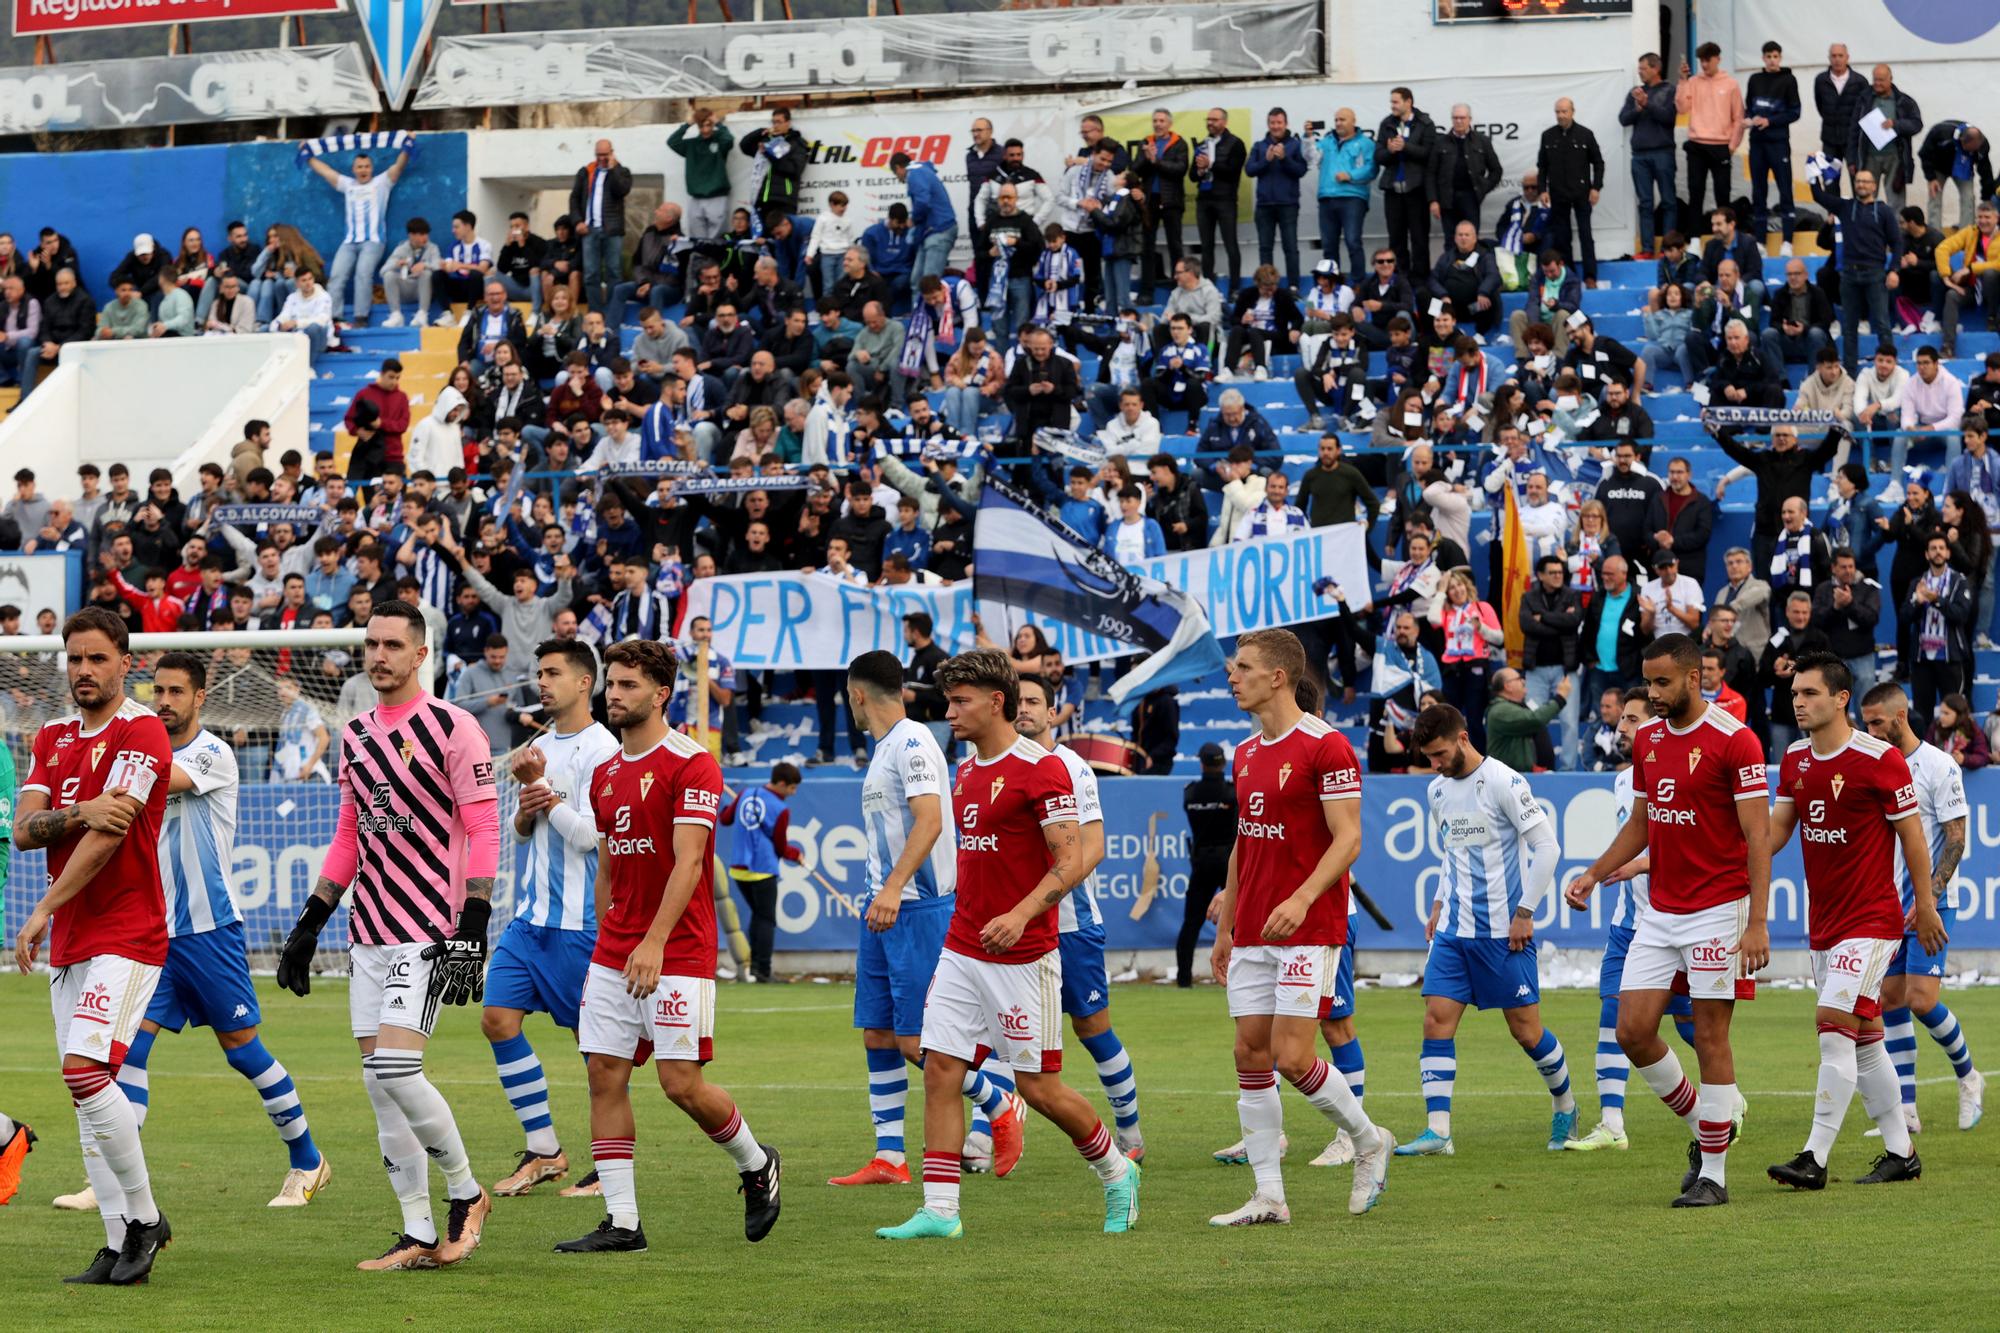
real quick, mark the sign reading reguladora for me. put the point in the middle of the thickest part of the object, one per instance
(1175, 43)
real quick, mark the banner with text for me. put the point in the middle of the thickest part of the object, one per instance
(1156, 43)
(37, 17)
(184, 90)
(816, 622)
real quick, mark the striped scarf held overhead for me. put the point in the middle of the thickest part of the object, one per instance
(401, 141)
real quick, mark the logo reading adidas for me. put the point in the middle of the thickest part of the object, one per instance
(395, 1002)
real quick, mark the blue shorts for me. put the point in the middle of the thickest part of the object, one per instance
(1086, 986)
(206, 982)
(1912, 961)
(1611, 976)
(1483, 973)
(1340, 1004)
(540, 970)
(893, 967)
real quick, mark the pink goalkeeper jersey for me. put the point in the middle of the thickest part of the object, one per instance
(407, 777)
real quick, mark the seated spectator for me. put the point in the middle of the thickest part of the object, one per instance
(653, 350)
(409, 274)
(174, 314)
(1676, 268)
(1234, 423)
(1466, 277)
(1918, 298)
(1601, 751)
(275, 272)
(1728, 245)
(856, 286)
(1405, 671)
(1718, 306)
(1670, 602)
(878, 348)
(891, 248)
(20, 332)
(308, 310)
(1668, 320)
(1742, 377)
(726, 345)
(142, 268)
(230, 309)
(1977, 280)
(1956, 731)
(1262, 315)
(1801, 318)
(1554, 294)
(1938, 609)
(485, 328)
(1933, 400)
(467, 265)
(1717, 690)
(1514, 730)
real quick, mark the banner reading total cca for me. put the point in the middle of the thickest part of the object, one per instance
(34, 17)
(811, 622)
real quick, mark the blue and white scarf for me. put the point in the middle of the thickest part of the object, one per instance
(1065, 266)
(996, 286)
(401, 141)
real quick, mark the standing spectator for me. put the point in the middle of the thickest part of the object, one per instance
(1726, 242)
(1470, 633)
(1571, 169)
(1551, 616)
(1403, 144)
(1463, 171)
(1977, 281)
(1851, 516)
(1089, 189)
(982, 162)
(932, 218)
(1210, 805)
(391, 408)
(703, 144)
(1789, 642)
(1649, 112)
(409, 274)
(522, 260)
(1278, 161)
(492, 691)
(1956, 155)
(597, 203)
(1612, 642)
(1783, 472)
(1939, 611)
(1893, 164)
(365, 197)
(1847, 609)
(1681, 519)
(1627, 493)
(1749, 597)
(1800, 556)
(1713, 105)
(1162, 167)
(1513, 726)
(1345, 159)
(778, 163)
(1176, 504)
(1871, 242)
(1042, 385)
(1771, 105)
(1839, 93)
(1216, 169)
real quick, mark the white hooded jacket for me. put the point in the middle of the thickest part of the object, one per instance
(436, 444)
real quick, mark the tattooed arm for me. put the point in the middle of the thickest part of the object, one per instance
(1948, 859)
(1068, 864)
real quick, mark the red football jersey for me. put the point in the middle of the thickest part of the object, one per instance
(1847, 805)
(638, 800)
(1692, 781)
(1002, 805)
(123, 910)
(1281, 833)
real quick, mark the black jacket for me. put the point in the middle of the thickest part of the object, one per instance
(1762, 383)
(1225, 174)
(1638, 423)
(1908, 120)
(1780, 476)
(69, 319)
(1837, 110)
(1775, 97)
(1032, 411)
(1482, 164)
(617, 184)
(854, 294)
(1165, 179)
(1183, 504)
(1210, 806)
(1792, 643)
(1631, 639)
(1940, 151)
(1483, 272)
(1628, 501)
(1395, 296)
(1778, 302)
(1690, 530)
(472, 334)
(781, 183)
(1416, 158)
(864, 538)
(1285, 314)
(1850, 629)
(1569, 162)
(1549, 623)
(141, 273)
(1958, 606)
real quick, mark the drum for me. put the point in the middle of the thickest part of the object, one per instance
(1108, 754)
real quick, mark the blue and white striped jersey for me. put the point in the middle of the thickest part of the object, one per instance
(1940, 799)
(555, 866)
(198, 839)
(1079, 909)
(906, 763)
(1480, 819)
(1633, 894)
(367, 206)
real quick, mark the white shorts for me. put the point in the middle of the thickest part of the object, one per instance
(1690, 953)
(675, 1022)
(1849, 975)
(98, 1005)
(1286, 980)
(1013, 1010)
(389, 986)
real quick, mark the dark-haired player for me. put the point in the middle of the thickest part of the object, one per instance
(1698, 779)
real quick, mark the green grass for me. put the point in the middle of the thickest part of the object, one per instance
(1503, 1235)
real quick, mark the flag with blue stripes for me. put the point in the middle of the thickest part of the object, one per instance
(1040, 564)
(396, 31)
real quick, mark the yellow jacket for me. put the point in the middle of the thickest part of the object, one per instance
(1962, 241)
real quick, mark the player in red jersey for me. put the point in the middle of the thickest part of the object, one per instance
(1700, 811)
(1282, 919)
(1854, 801)
(651, 985)
(998, 985)
(94, 799)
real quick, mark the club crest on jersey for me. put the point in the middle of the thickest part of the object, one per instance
(1694, 757)
(645, 784)
(1284, 774)
(998, 783)
(1839, 781)
(406, 748)
(96, 753)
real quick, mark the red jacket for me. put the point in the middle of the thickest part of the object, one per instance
(393, 421)
(157, 615)
(564, 400)
(182, 582)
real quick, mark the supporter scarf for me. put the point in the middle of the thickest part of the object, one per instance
(915, 359)
(1764, 416)
(1469, 393)
(1933, 645)
(1463, 640)
(1795, 558)
(1407, 575)
(996, 285)
(1064, 265)
(1329, 302)
(1584, 576)
(400, 141)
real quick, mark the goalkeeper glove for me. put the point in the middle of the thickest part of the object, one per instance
(458, 965)
(295, 963)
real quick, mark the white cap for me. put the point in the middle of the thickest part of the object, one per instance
(142, 244)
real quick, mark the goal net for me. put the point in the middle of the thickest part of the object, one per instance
(279, 699)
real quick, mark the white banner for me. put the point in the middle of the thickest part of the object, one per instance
(815, 622)
(180, 90)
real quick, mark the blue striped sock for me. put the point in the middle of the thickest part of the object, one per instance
(527, 1089)
(1613, 1069)
(1347, 1059)
(1945, 1031)
(1553, 1066)
(1437, 1069)
(281, 1099)
(1899, 1042)
(132, 1076)
(1114, 1071)
(988, 1086)
(888, 1095)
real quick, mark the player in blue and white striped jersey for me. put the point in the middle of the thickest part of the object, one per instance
(542, 957)
(1500, 856)
(1613, 1068)
(912, 873)
(206, 980)
(1086, 985)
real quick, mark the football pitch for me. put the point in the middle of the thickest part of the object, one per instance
(1504, 1235)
